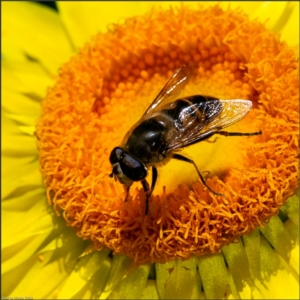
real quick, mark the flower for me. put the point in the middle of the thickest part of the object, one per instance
(73, 145)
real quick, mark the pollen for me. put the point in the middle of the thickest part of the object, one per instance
(103, 90)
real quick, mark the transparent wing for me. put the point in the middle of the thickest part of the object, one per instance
(215, 115)
(172, 88)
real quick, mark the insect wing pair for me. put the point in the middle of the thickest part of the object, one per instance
(216, 114)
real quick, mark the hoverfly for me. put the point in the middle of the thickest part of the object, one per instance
(168, 125)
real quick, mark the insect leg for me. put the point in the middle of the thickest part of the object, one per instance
(154, 178)
(127, 192)
(146, 187)
(183, 158)
(211, 142)
(226, 133)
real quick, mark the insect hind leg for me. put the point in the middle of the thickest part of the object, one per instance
(185, 159)
(227, 133)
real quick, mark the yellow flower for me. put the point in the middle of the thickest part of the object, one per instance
(89, 108)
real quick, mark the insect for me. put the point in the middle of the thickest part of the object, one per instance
(169, 125)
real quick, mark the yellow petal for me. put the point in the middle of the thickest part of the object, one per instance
(84, 274)
(12, 138)
(11, 164)
(24, 201)
(20, 104)
(176, 279)
(11, 50)
(252, 248)
(279, 237)
(290, 31)
(237, 261)
(291, 208)
(233, 290)
(293, 230)
(94, 286)
(24, 179)
(38, 30)
(247, 7)
(119, 268)
(132, 286)
(18, 253)
(278, 280)
(147, 5)
(26, 120)
(213, 275)
(35, 221)
(274, 20)
(49, 269)
(84, 19)
(150, 290)
(25, 77)
(11, 279)
(197, 292)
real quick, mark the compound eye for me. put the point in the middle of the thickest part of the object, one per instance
(132, 168)
(115, 155)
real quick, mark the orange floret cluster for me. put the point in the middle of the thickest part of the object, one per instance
(103, 90)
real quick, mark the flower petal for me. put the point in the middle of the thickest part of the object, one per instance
(81, 19)
(26, 120)
(247, 7)
(51, 268)
(197, 292)
(132, 286)
(293, 230)
(213, 274)
(84, 19)
(18, 253)
(279, 237)
(84, 274)
(278, 280)
(11, 279)
(20, 104)
(276, 19)
(291, 208)
(119, 268)
(233, 290)
(49, 44)
(35, 221)
(13, 137)
(27, 179)
(10, 164)
(11, 50)
(25, 77)
(237, 261)
(252, 248)
(150, 290)
(176, 279)
(290, 32)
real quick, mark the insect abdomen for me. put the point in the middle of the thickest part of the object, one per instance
(190, 111)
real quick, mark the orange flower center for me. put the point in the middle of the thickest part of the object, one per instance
(101, 92)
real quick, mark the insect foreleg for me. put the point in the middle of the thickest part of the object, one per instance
(146, 187)
(183, 158)
(226, 133)
(154, 178)
(127, 188)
